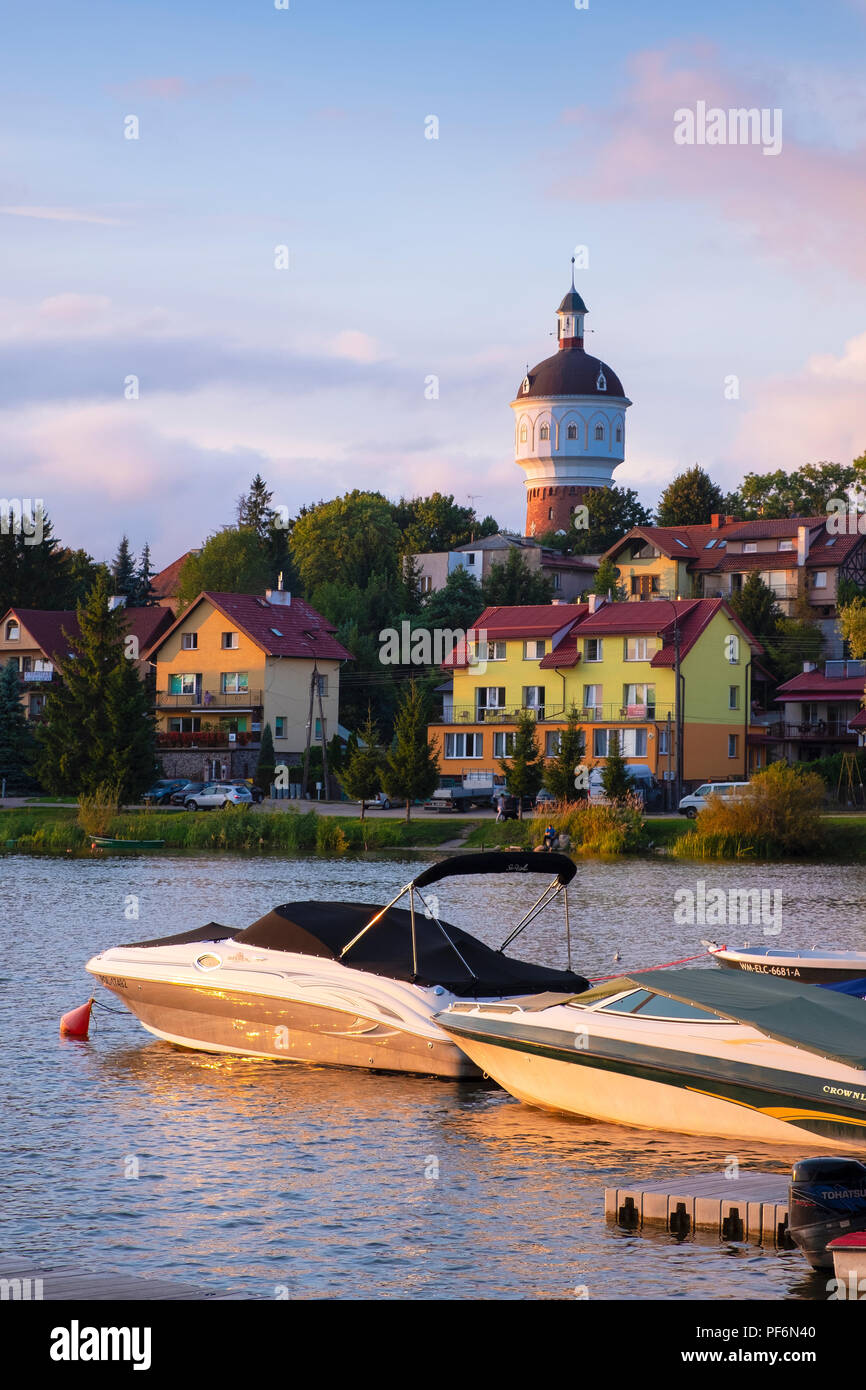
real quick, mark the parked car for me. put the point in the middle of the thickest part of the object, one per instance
(696, 801)
(219, 794)
(510, 809)
(255, 792)
(543, 799)
(178, 797)
(643, 784)
(382, 802)
(161, 791)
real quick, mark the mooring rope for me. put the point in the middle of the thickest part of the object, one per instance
(599, 979)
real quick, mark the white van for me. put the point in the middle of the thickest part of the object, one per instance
(697, 800)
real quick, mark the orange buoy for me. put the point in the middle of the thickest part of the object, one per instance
(76, 1024)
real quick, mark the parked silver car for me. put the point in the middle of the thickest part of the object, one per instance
(220, 794)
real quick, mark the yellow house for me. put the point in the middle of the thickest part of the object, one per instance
(232, 663)
(615, 664)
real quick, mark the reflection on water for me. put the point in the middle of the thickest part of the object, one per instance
(254, 1175)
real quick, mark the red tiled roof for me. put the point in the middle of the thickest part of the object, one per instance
(763, 560)
(810, 685)
(765, 528)
(831, 550)
(300, 630)
(46, 626)
(527, 620)
(657, 616)
(565, 653)
(695, 539)
(859, 720)
(167, 583)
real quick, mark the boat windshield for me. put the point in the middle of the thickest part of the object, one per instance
(649, 1005)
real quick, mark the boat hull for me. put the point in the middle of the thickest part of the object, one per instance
(796, 968)
(657, 1092)
(223, 1020)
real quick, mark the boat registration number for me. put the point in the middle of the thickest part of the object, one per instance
(113, 982)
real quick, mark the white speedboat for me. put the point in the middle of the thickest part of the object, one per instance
(343, 984)
(695, 1051)
(817, 966)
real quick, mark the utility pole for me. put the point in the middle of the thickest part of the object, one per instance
(309, 734)
(669, 785)
(318, 683)
(678, 712)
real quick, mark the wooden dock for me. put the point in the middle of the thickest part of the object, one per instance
(32, 1281)
(752, 1207)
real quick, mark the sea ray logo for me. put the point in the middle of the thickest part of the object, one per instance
(77, 1343)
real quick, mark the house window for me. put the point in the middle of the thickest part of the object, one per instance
(592, 700)
(599, 431)
(534, 649)
(533, 698)
(640, 699)
(632, 742)
(786, 545)
(592, 649)
(557, 580)
(642, 585)
(635, 649)
(490, 651)
(664, 746)
(545, 432)
(230, 641)
(820, 579)
(733, 697)
(733, 745)
(189, 641)
(552, 742)
(323, 686)
(463, 745)
(523, 434)
(234, 682)
(732, 648)
(37, 706)
(503, 744)
(489, 697)
(572, 432)
(13, 631)
(185, 684)
(750, 548)
(280, 726)
(426, 584)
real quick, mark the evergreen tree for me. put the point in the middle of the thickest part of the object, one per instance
(361, 778)
(144, 595)
(690, 500)
(512, 582)
(456, 605)
(755, 606)
(611, 512)
(35, 571)
(232, 561)
(255, 511)
(123, 572)
(607, 582)
(266, 766)
(411, 767)
(615, 776)
(524, 770)
(335, 755)
(98, 726)
(16, 737)
(561, 770)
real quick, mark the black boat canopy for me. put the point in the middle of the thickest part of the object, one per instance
(832, 1025)
(512, 861)
(471, 971)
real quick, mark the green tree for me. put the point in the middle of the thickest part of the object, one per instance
(755, 606)
(615, 776)
(690, 500)
(511, 582)
(611, 513)
(353, 536)
(361, 778)
(411, 767)
(524, 770)
(231, 561)
(266, 765)
(803, 491)
(123, 572)
(98, 726)
(607, 581)
(852, 625)
(254, 510)
(144, 595)
(35, 570)
(456, 605)
(437, 523)
(560, 771)
(794, 643)
(16, 736)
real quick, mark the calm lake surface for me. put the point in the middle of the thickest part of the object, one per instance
(259, 1175)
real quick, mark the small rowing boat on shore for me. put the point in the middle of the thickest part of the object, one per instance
(110, 842)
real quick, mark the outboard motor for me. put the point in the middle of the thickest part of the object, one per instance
(826, 1199)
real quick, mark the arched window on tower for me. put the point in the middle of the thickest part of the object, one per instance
(545, 431)
(599, 431)
(523, 435)
(550, 513)
(619, 434)
(572, 431)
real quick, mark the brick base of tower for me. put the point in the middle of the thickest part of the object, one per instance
(549, 507)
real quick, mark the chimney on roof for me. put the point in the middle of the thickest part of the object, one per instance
(116, 601)
(279, 597)
(729, 519)
(595, 602)
(716, 520)
(802, 544)
(809, 666)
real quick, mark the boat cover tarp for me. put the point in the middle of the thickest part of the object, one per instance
(857, 988)
(510, 861)
(323, 929)
(212, 932)
(832, 1025)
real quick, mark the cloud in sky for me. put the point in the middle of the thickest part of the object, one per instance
(808, 203)
(45, 214)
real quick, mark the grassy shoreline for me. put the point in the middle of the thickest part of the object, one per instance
(55, 830)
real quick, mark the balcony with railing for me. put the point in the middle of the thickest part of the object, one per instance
(808, 730)
(209, 699)
(206, 738)
(611, 713)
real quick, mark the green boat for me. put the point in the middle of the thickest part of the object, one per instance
(108, 842)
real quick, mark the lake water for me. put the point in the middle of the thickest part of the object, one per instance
(258, 1176)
